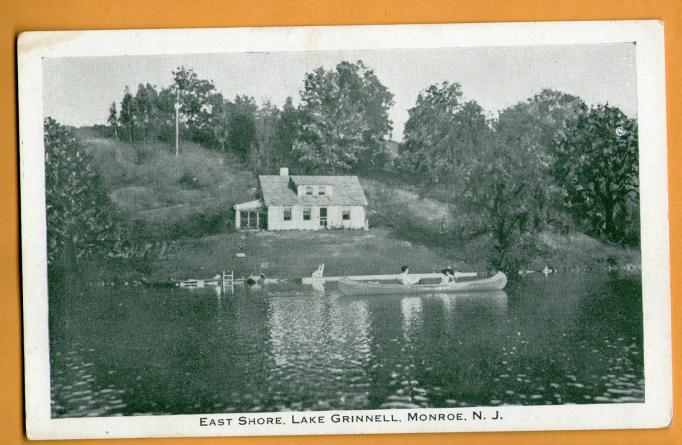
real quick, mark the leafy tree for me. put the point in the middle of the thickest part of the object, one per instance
(262, 155)
(498, 201)
(243, 105)
(197, 99)
(530, 129)
(146, 101)
(442, 133)
(508, 186)
(344, 119)
(78, 220)
(112, 120)
(163, 119)
(127, 115)
(221, 127)
(241, 134)
(597, 166)
(286, 130)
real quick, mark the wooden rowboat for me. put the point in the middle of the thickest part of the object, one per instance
(350, 287)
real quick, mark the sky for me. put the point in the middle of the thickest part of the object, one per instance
(79, 91)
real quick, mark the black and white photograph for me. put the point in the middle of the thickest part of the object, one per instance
(345, 230)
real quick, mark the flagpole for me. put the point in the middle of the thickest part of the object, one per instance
(177, 124)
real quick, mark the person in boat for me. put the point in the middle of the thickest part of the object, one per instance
(405, 277)
(448, 276)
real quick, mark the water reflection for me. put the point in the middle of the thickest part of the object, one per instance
(320, 349)
(145, 351)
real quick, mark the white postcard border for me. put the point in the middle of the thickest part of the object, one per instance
(655, 412)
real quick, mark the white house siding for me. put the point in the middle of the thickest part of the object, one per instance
(334, 218)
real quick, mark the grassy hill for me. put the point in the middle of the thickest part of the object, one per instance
(189, 195)
(187, 201)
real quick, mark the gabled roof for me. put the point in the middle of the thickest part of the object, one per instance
(277, 191)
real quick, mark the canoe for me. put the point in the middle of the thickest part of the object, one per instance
(350, 287)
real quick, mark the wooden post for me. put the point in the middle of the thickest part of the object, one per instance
(177, 124)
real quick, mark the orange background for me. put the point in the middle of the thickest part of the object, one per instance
(17, 16)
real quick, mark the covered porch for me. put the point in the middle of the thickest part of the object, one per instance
(250, 215)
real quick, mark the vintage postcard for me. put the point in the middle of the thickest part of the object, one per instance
(345, 230)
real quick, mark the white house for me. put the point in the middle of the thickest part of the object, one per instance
(304, 203)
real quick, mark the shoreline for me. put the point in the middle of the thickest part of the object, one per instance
(297, 254)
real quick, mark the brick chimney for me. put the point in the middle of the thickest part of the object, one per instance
(284, 171)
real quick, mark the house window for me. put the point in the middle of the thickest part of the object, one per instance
(306, 214)
(346, 214)
(287, 213)
(321, 191)
(309, 191)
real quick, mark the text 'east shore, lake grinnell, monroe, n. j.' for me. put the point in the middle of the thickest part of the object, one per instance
(319, 419)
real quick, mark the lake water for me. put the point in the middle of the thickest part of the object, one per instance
(131, 350)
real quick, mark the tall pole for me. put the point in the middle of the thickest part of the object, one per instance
(177, 124)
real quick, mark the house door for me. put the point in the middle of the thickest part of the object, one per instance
(323, 217)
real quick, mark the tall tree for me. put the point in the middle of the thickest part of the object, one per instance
(127, 115)
(530, 129)
(344, 119)
(442, 133)
(146, 99)
(197, 99)
(112, 120)
(285, 135)
(241, 134)
(263, 153)
(78, 219)
(498, 201)
(597, 166)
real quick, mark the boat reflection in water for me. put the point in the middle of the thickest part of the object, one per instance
(289, 347)
(494, 301)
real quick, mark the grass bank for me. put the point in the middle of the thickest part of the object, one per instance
(376, 251)
(297, 254)
(186, 202)
(165, 196)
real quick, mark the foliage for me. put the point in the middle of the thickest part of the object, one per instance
(545, 162)
(498, 170)
(146, 110)
(597, 165)
(78, 220)
(127, 115)
(112, 120)
(442, 134)
(197, 97)
(262, 156)
(343, 120)
(529, 130)
(499, 201)
(241, 134)
(340, 126)
(286, 129)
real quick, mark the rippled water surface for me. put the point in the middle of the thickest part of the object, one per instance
(130, 350)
